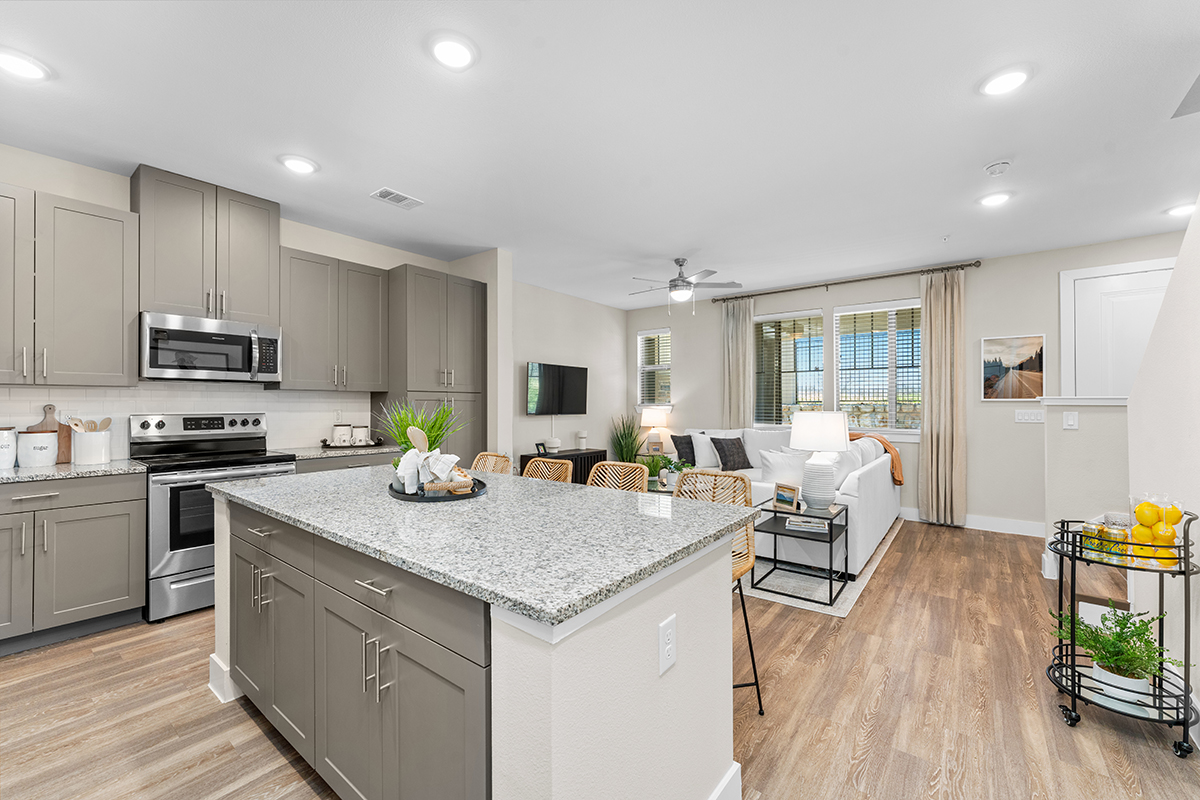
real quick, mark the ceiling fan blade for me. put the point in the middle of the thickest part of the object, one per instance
(701, 275)
(649, 280)
(714, 285)
(655, 289)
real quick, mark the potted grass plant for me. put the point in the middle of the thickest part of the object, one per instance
(437, 424)
(1124, 651)
(626, 439)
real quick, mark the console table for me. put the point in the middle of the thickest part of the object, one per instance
(583, 461)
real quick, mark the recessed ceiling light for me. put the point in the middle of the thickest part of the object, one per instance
(299, 164)
(1005, 82)
(453, 51)
(22, 66)
(1185, 210)
(998, 199)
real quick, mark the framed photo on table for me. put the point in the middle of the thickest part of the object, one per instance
(654, 448)
(541, 448)
(786, 496)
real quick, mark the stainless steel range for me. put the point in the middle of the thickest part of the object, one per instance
(183, 452)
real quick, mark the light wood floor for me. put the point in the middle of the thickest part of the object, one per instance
(933, 687)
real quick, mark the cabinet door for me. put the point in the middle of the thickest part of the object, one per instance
(287, 603)
(16, 574)
(247, 258)
(92, 562)
(178, 242)
(16, 284)
(86, 293)
(309, 316)
(347, 714)
(435, 719)
(364, 328)
(249, 642)
(472, 439)
(426, 334)
(466, 321)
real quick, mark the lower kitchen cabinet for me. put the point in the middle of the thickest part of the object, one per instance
(16, 575)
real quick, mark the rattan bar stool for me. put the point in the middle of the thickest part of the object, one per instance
(492, 462)
(620, 475)
(549, 469)
(732, 489)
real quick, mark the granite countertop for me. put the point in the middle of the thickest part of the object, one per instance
(542, 549)
(305, 453)
(61, 471)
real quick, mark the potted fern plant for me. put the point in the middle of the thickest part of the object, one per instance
(1124, 652)
(626, 439)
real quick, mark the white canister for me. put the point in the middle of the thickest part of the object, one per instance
(8, 448)
(553, 444)
(362, 435)
(37, 448)
(93, 447)
(341, 436)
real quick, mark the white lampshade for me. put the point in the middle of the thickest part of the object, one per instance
(820, 431)
(654, 418)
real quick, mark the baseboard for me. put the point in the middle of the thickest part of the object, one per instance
(1049, 565)
(910, 514)
(730, 787)
(73, 630)
(219, 681)
(996, 524)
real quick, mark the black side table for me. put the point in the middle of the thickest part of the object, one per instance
(833, 525)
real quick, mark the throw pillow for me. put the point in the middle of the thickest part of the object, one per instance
(732, 454)
(844, 463)
(706, 454)
(683, 449)
(780, 467)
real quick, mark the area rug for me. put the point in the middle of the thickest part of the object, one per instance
(814, 586)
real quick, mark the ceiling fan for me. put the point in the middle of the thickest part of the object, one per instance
(682, 287)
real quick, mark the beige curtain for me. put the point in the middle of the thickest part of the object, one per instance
(737, 358)
(942, 478)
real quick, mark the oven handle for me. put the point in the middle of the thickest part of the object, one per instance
(253, 355)
(213, 476)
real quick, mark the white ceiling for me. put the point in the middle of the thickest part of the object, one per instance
(775, 142)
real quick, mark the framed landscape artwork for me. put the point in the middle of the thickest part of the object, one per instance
(1013, 367)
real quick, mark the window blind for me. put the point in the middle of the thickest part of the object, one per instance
(654, 367)
(878, 361)
(789, 364)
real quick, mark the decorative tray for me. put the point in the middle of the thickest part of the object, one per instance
(325, 445)
(478, 489)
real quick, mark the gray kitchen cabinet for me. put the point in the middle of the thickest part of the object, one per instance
(424, 324)
(178, 241)
(247, 258)
(16, 284)
(466, 319)
(363, 334)
(248, 644)
(86, 294)
(16, 574)
(366, 458)
(309, 314)
(88, 561)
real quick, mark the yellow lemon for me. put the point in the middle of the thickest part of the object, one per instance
(1167, 558)
(1163, 533)
(1173, 515)
(1143, 552)
(1147, 513)
(1141, 533)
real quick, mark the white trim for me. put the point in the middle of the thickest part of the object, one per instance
(1085, 401)
(655, 332)
(556, 633)
(1049, 565)
(883, 305)
(667, 407)
(730, 787)
(1066, 308)
(219, 681)
(816, 312)
(892, 434)
(1001, 525)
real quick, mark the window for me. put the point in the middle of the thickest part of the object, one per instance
(789, 368)
(878, 360)
(654, 367)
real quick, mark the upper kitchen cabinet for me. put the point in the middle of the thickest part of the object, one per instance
(443, 321)
(16, 284)
(335, 324)
(85, 294)
(206, 251)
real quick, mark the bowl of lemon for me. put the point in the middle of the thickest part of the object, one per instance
(1153, 538)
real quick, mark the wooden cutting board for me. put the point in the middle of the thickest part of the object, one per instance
(50, 423)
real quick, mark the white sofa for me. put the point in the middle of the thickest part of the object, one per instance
(872, 500)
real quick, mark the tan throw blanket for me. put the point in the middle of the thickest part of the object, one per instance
(897, 470)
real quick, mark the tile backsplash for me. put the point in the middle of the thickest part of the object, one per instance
(296, 419)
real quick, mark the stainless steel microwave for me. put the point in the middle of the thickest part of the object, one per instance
(199, 349)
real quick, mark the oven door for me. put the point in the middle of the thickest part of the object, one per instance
(181, 516)
(193, 348)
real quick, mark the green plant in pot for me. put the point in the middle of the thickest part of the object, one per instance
(438, 424)
(655, 464)
(1124, 651)
(668, 470)
(626, 439)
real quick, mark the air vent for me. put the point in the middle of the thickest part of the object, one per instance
(395, 198)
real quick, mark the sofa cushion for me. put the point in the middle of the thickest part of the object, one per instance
(683, 449)
(756, 439)
(845, 463)
(706, 454)
(755, 475)
(872, 449)
(732, 454)
(783, 467)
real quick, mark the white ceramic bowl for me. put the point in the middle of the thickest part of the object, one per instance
(37, 449)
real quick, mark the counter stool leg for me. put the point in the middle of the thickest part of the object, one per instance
(750, 643)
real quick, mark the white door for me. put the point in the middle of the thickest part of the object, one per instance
(1112, 315)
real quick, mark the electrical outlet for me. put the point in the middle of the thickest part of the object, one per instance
(1070, 420)
(1034, 416)
(337, 415)
(668, 648)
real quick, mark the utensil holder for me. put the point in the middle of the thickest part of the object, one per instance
(92, 447)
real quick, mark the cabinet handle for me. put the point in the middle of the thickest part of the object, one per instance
(24, 363)
(222, 314)
(378, 652)
(45, 359)
(335, 374)
(352, 466)
(364, 660)
(451, 378)
(45, 536)
(260, 532)
(22, 539)
(207, 302)
(367, 585)
(35, 496)
(343, 376)
(261, 601)
(253, 587)
(445, 380)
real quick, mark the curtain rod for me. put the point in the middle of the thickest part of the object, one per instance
(827, 284)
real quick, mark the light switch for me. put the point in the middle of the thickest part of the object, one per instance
(1034, 416)
(1070, 420)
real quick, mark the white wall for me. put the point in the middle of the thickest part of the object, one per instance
(559, 329)
(1087, 470)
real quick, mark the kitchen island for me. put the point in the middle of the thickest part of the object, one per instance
(516, 636)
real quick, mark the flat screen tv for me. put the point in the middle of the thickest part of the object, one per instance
(555, 389)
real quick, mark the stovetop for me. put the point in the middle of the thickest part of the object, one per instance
(186, 442)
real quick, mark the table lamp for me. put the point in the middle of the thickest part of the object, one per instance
(824, 433)
(654, 418)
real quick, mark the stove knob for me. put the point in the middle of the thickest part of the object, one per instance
(160, 425)
(257, 422)
(245, 423)
(145, 425)
(233, 423)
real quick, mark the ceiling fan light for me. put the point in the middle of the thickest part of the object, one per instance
(681, 294)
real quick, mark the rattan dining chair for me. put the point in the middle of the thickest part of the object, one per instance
(732, 489)
(549, 469)
(620, 475)
(492, 462)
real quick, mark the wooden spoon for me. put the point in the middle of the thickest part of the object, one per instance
(418, 438)
(104, 423)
